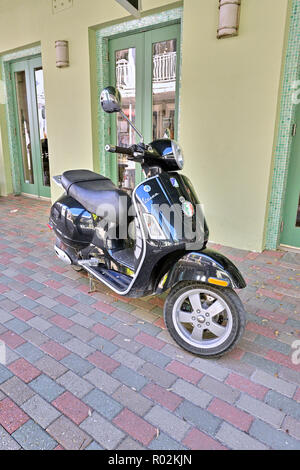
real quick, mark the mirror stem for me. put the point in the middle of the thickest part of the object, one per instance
(128, 120)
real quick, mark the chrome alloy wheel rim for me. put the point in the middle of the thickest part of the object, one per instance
(202, 318)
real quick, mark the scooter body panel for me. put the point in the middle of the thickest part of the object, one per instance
(206, 266)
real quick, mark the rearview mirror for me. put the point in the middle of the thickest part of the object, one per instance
(111, 100)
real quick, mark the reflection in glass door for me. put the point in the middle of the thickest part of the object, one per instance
(125, 66)
(145, 69)
(31, 127)
(164, 76)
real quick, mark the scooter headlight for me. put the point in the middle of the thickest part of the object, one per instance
(178, 154)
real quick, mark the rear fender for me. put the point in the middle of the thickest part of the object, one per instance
(207, 266)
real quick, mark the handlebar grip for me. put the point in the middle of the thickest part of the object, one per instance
(116, 149)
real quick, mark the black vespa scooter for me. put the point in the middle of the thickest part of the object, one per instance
(150, 242)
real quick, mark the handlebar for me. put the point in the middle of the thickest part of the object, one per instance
(116, 149)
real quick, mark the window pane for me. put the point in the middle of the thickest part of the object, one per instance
(41, 107)
(298, 215)
(164, 89)
(23, 121)
(125, 80)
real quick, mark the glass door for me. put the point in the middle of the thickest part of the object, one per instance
(145, 69)
(291, 219)
(31, 126)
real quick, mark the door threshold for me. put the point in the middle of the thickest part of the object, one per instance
(34, 196)
(293, 249)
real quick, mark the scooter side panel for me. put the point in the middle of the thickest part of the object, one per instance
(201, 266)
(71, 222)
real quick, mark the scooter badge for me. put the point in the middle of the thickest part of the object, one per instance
(188, 208)
(147, 188)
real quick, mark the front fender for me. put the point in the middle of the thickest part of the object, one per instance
(207, 266)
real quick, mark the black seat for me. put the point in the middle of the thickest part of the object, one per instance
(97, 194)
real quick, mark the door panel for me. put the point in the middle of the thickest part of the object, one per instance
(31, 129)
(125, 55)
(291, 219)
(145, 69)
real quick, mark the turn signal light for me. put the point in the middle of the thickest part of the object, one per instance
(218, 282)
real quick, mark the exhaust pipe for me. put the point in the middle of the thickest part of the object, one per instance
(62, 255)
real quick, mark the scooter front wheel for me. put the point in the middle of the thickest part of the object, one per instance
(205, 320)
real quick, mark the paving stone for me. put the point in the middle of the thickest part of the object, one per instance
(210, 368)
(129, 377)
(129, 444)
(191, 393)
(164, 442)
(128, 359)
(39, 324)
(32, 437)
(132, 400)
(103, 381)
(103, 345)
(156, 374)
(282, 403)
(137, 427)
(77, 364)
(70, 436)
(277, 440)
(275, 383)
(81, 333)
(51, 367)
(162, 396)
(102, 403)
(79, 348)
(11, 416)
(72, 407)
(58, 334)
(167, 422)
(40, 411)
(46, 387)
(108, 435)
(24, 370)
(219, 389)
(30, 352)
(17, 390)
(261, 363)
(197, 440)
(75, 384)
(202, 419)
(35, 337)
(5, 374)
(127, 343)
(157, 358)
(238, 440)
(260, 410)
(94, 446)
(6, 441)
(17, 326)
(292, 427)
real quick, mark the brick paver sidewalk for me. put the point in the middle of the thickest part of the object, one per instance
(93, 371)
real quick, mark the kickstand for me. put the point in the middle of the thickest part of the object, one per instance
(92, 285)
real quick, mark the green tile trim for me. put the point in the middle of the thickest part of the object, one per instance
(102, 37)
(284, 139)
(5, 62)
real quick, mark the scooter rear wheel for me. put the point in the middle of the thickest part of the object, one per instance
(205, 320)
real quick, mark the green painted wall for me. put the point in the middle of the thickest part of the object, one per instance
(228, 114)
(229, 98)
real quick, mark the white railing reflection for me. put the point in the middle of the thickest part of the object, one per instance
(164, 70)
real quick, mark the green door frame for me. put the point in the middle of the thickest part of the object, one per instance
(290, 235)
(28, 66)
(143, 43)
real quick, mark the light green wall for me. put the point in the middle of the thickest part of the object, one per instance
(5, 170)
(229, 96)
(68, 91)
(228, 114)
